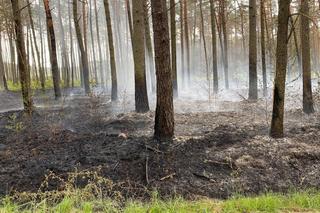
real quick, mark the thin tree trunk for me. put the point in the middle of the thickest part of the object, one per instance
(141, 94)
(114, 92)
(306, 60)
(41, 73)
(187, 40)
(22, 60)
(53, 51)
(102, 76)
(253, 79)
(150, 57)
(83, 53)
(174, 47)
(281, 67)
(263, 47)
(164, 119)
(214, 48)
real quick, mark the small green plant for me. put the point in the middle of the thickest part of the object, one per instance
(14, 124)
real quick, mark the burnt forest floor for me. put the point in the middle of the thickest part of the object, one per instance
(215, 154)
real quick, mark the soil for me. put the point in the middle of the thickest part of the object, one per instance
(218, 151)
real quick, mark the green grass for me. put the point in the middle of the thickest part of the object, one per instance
(293, 202)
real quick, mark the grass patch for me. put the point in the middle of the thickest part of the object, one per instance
(294, 202)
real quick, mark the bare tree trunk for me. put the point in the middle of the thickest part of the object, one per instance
(223, 17)
(64, 59)
(83, 53)
(53, 51)
(164, 120)
(253, 79)
(2, 68)
(263, 47)
(183, 72)
(114, 92)
(141, 94)
(281, 67)
(214, 48)
(102, 76)
(22, 60)
(41, 72)
(93, 44)
(174, 47)
(306, 60)
(186, 39)
(150, 57)
(205, 49)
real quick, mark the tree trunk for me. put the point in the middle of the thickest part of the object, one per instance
(53, 51)
(141, 94)
(83, 53)
(150, 57)
(174, 47)
(281, 67)
(214, 48)
(64, 59)
(164, 119)
(22, 60)
(41, 72)
(114, 92)
(223, 17)
(306, 61)
(2, 72)
(186, 39)
(263, 47)
(102, 76)
(253, 81)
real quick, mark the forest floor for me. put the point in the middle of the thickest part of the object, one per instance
(220, 149)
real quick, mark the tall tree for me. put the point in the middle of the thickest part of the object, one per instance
(253, 81)
(41, 71)
(53, 51)
(22, 59)
(83, 53)
(281, 67)
(214, 48)
(306, 61)
(223, 18)
(263, 46)
(150, 57)
(186, 39)
(114, 81)
(3, 83)
(102, 76)
(141, 94)
(164, 119)
(173, 46)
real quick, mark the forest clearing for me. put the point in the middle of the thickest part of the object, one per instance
(159, 106)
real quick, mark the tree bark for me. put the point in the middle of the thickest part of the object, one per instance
(306, 60)
(164, 119)
(83, 53)
(263, 47)
(174, 47)
(253, 81)
(214, 48)
(141, 94)
(53, 51)
(281, 67)
(22, 60)
(114, 92)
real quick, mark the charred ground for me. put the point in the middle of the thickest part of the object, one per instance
(214, 154)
